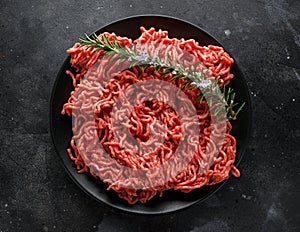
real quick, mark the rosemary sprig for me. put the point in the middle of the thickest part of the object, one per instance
(193, 78)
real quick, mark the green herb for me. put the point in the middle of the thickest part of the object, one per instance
(193, 79)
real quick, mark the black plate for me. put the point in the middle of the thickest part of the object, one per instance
(61, 126)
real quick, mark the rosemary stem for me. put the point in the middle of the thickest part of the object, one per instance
(193, 79)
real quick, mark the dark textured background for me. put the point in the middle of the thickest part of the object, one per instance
(35, 192)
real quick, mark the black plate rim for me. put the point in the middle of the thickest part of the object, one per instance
(133, 211)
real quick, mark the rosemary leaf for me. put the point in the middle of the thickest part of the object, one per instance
(123, 53)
